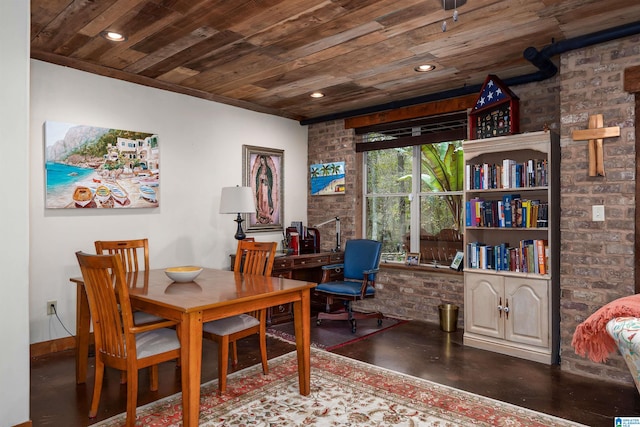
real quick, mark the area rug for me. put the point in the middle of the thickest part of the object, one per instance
(332, 334)
(344, 392)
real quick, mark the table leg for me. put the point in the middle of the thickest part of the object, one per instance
(83, 323)
(302, 322)
(191, 365)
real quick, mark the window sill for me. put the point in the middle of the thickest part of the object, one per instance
(440, 269)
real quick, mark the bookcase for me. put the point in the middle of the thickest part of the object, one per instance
(511, 241)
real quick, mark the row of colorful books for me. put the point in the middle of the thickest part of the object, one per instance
(510, 211)
(509, 174)
(529, 256)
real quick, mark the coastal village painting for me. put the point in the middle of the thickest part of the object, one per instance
(92, 167)
(327, 178)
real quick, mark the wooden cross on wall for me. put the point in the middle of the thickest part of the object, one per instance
(595, 134)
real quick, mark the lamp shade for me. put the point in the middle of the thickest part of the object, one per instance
(237, 200)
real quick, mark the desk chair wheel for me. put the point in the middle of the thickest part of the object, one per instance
(318, 322)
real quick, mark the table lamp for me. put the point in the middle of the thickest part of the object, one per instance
(237, 200)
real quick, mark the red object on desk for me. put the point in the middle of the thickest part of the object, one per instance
(294, 243)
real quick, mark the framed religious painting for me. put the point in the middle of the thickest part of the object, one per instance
(263, 171)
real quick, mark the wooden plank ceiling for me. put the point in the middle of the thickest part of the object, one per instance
(270, 55)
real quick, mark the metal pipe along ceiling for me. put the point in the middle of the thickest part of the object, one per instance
(541, 59)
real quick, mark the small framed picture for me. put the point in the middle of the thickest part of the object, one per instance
(412, 258)
(456, 264)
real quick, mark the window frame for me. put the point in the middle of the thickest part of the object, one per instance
(415, 196)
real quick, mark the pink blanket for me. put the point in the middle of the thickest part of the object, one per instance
(591, 338)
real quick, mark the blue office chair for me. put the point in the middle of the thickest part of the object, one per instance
(361, 263)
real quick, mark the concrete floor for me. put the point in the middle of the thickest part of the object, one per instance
(414, 348)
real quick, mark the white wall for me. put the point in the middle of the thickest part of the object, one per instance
(200, 152)
(14, 216)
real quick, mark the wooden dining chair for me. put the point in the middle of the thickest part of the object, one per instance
(134, 255)
(119, 342)
(252, 258)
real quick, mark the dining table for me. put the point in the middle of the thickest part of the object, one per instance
(214, 294)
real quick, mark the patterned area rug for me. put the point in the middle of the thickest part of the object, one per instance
(344, 392)
(332, 334)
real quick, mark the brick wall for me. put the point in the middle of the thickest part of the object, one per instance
(596, 265)
(331, 142)
(413, 294)
(409, 293)
(596, 257)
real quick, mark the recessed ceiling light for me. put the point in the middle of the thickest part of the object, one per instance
(424, 68)
(113, 36)
(317, 95)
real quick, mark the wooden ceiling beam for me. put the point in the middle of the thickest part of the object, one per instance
(434, 108)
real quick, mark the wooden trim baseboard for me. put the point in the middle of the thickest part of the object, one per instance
(53, 346)
(25, 424)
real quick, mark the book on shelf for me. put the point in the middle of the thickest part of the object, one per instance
(526, 206)
(541, 173)
(524, 255)
(515, 265)
(507, 201)
(532, 213)
(542, 249)
(501, 256)
(507, 174)
(472, 254)
(507, 164)
(488, 217)
(529, 256)
(532, 261)
(509, 211)
(543, 215)
(477, 212)
(476, 176)
(486, 173)
(517, 176)
(531, 173)
(516, 210)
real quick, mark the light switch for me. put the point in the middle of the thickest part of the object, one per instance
(598, 212)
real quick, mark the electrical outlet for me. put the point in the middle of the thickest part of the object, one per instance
(52, 307)
(597, 213)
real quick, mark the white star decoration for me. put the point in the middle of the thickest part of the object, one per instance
(491, 93)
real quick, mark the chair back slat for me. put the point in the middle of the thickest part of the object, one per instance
(110, 308)
(132, 253)
(255, 257)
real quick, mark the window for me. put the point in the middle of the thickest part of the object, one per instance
(413, 192)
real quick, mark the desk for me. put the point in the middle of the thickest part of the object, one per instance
(215, 294)
(307, 267)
